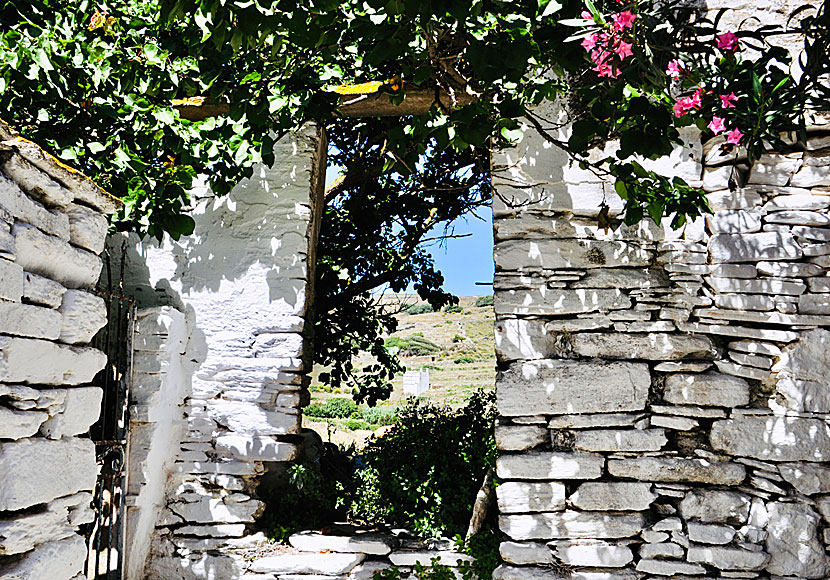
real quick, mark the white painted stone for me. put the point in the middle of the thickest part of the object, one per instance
(251, 419)
(653, 346)
(535, 573)
(808, 478)
(87, 228)
(27, 210)
(524, 553)
(550, 465)
(425, 557)
(775, 438)
(375, 544)
(788, 269)
(813, 172)
(326, 564)
(84, 314)
(661, 550)
(613, 496)
(733, 222)
(814, 234)
(814, 304)
(37, 183)
(799, 218)
(740, 331)
(712, 389)
(23, 532)
(758, 286)
(753, 247)
(806, 396)
(34, 471)
(571, 524)
(620, 440)
(25, 320)
(677, 469)
(19, 424)
(257, 448)
(710, 533)
(797, 202)
(80, 410)
(54, 258)
(557, 387)
(552, 254)
(792, 542)
(744, 302)
(59, 560)
(594, 553)
(25, 360)
(519, 437)
(43, 291)
(808, 358)
(669, 567)
(688, 411)
(728, 558)
(557, 301)
(592, 421)
(522, 496)
(673, 423)
(11, 281)
(743, 198)
(760, 317)
(214, 510)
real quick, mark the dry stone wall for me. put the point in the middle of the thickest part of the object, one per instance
(664, 396)
(52, 227)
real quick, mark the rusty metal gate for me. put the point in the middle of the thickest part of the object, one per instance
(105, 535)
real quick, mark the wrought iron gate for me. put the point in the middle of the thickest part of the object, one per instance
(105, 536)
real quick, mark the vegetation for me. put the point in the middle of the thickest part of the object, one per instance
(482, 301)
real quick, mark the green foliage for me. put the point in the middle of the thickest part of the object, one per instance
(453, 308)
(427, 469)
(333, 409)
(461, 360)
(415, 345)
(419, 309)
(484, 547)
(482, 301)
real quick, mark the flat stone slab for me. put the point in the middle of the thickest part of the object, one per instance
(773, 438)
(362, 543)
(425, 557)
(671, 469)
(712, 389)
(504, 572)
(792, 542)
(651, 346)
(744, 247)
(808, 478)
(550, 465)
(559, 387)
(620, 440)
(716, 505)
(569, 253)
(613, 496)
(330, 564)
(523, 497)
(592, 553)
(26, 360)
(571, 524)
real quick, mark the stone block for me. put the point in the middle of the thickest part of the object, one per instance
(792, 542)
(807, 478)
(27, 210)
(571, 524)
(524, 553)
(58, 560)
(523, 497)
(725, 248)
(375, 544)
(742, 198)
(803, 201)
(789, 269)
(81, 409)
(550, 465)
(84, 314)
(733, 221)
(39, 185)
(251, 419)
(814, 304)
(620, 440)
(593, 421)
(519, 437)
(677, 469)
(613, 496)
(595, 553)
(744, 302)
(256, 448)
(11, 281)
(54, 258)
(24, 532)
(804, 396)
(758, 286)
(710, 533)
(544, 573)
(25, 320)
(43, 291)
(34, 471)
(425, 557)
(771, 437)
(87, 228)
(559, 301)
(16, 424)
(712, 389)
(332, 564)
(209, 510)
(556, 254)
(717, 506)
(558, 387)
(651, 346)
(26, 360)
(665, 568)
(799, 218)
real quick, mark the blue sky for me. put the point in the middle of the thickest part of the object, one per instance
(463, 261)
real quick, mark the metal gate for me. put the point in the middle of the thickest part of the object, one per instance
(105, 535)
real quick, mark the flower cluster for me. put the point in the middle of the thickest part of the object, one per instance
(608, 48)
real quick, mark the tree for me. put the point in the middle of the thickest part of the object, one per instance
(96, 82)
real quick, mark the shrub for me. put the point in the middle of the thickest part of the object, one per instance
(379, 415)
(453, 308)
(461, 360)
(458, 338)
(339, 408)
(419, 309)
(357, 425)
(420, 346)
(484, 301)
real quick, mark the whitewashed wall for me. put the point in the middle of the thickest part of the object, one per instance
(229, 341)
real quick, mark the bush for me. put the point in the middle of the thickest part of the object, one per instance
(357, 425)
(462, 360)
(339, 408)
(419, 309)
(452, 308)
(420, 346)
(428, 467)
(379, 415)
(484, 301)
(458, 338)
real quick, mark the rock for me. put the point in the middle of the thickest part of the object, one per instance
(59, 560)
(733, 222)
(679, 411)
(531, 573)
(256, 448)
(814, 234)
(613, 496)
(726, 248)
(759, 286)
(520, 437)
(805, 396)
(620, 440)
(11, 281)
(57, 522)
(591, 421)
(214, 510)
(798, 218)
(54, 258)
(592, 553)
(797, 202)
(27, 210)
(775, 438)
(568, 253)
(81, 409)
(814, 304)
(661, 550)
(25, 320)
(710, 533)
(83, 314)
(525, 553)
(792, 542)
(808, 478)
(43, 291)
(548, 302)
(788, 269)
(744, 302)
(19, 424)
(808, 358)
(727, 558)
(412, 557)
(673, 423)
(550, 465)
(669, 568)
(670, 469)
(34, 471)
(713, 389)
(363, 543)
(87, 228)
(247, 418)
(714, 505)
(26, 360)
(571, 524)
(520, 496)
(652, 346)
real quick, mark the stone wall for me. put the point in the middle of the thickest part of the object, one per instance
(663, 395)
(229, 344)
(52, 228)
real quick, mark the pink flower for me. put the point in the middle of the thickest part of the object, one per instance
(624, 20)
(623, 49)
(716, 125)
(675, 69)
(682, 106)
(726, 101)
(734, 136)
(589, 42)
(587, 15)
(727, 41)
(695, 100)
